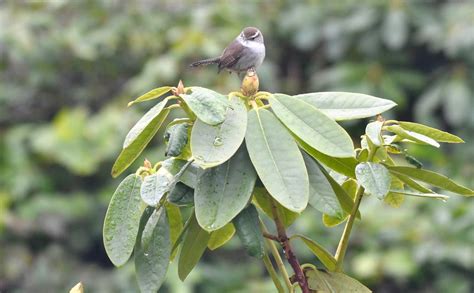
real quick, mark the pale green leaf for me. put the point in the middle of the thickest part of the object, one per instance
(153, 94)
(223, 191)
(312, 126)
(175, 223)
(419, 194)
(277, 160)
(221, 236)
(263, 200)
(320, 252)
(122, 220)
(374, 177)
(413, 136)
(323, 281)
(213, 145)
(373, 131)
(434, 133)
(345, 105)
(209, 106)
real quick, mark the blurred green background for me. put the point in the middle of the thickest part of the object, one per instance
(68, 69)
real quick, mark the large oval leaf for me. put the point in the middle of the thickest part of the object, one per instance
(312, 126)
(152, 252)
(209, 106)
(346, 106)
(277, 159)
(213, 145)
(194, 245)
(139, 136)
(222, 192)
(122, 220)
(375, 178)
(432, 178)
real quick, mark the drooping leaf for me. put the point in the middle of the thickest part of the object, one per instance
(277, 160)
(345, 166)
(434, 133)
(248, 229)
(412, 136)
(193, 247)
(152, 252)
(323, 281)
(373, 131)
(312, 126)
(213, 145)
(263, 200)
(122, 220)
(346, 106)
(321, 194)
(139, 136)
(209, 106)
(175, 223)
(177, 138)
(223, 191)
(374, 177)
(320, 252)
(221, 236)
(432, 178)
(153, 94)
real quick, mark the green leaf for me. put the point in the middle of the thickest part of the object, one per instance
(323, 281)
(413, 136)
(177, 138)
(263, 200)
(181, 195)
(321, 194)
(277, 159)
(223, 191)
(154, 187)
(418, 194)
(176, 224)
(320, 252)
(194, 245)
(209, 106)
(152, 254)
(395, 199)
(373, 131)
(412, 183)
(174, 165)
(153, 94)
(432, 178)
(434, 133)
(329, 221)
(374, 177)
(221, 236)
(312, 126)
(248, 229)
(346, 106)
(345, 166)
(138, 138)
(122, 220)
(213, 145)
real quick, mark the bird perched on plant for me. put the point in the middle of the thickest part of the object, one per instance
(246, 52)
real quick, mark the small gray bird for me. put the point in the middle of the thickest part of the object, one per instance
(246, 52)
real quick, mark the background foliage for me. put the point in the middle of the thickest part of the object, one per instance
(68, 69)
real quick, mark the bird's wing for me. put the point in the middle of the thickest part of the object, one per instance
(231, 55)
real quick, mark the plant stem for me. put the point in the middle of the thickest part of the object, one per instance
(277, 257)
(271, 270)
(289, 254)
(344, 242)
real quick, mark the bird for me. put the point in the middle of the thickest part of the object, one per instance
(246, 52)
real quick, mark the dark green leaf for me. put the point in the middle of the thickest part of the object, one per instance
(122, 220)
(177, 135)
(248, 229)
(193, 247)
(152, 255)
(277, 159)
(181, 195)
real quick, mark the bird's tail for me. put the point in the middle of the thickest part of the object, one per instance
(205, 62)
